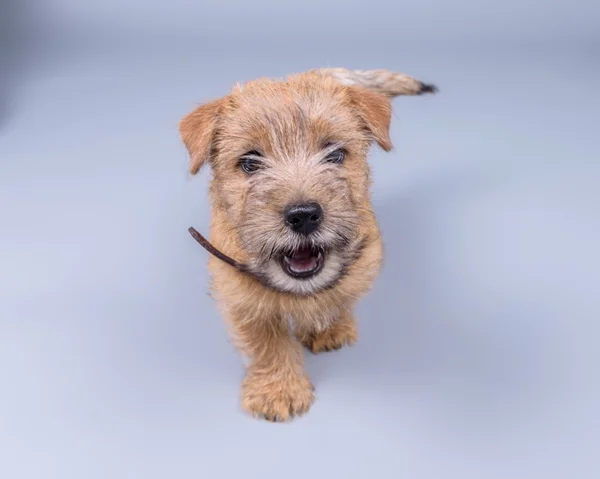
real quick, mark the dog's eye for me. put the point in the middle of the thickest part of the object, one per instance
(336, 156)
(250, 162)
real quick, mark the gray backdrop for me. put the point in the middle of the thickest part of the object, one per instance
(478, 355)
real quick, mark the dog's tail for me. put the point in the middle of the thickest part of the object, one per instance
(385, 82)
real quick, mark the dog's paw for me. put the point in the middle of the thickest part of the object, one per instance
(339, 334)
(277, 397)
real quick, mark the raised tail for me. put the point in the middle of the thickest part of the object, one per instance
(385, 82)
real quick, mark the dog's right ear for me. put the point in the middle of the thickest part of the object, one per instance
(197, 130)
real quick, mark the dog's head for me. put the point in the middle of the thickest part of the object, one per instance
(290, 173)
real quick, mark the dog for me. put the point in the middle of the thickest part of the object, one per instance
(290, 194)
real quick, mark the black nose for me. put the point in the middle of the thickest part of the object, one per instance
(303, 219)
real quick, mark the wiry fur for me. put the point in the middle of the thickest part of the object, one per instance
(294, 123)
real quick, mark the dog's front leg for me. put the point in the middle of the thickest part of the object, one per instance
(276, 386)
(342, 331)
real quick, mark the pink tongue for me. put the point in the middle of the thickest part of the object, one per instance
(304, 264)
(303, 260)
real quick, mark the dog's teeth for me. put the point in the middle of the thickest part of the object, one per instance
(302, 263)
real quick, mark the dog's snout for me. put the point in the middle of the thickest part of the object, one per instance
(304, 218)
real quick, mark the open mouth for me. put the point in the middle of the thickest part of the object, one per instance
(305, 262)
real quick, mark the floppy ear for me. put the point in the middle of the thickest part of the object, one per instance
(197, 130)
(375, 110)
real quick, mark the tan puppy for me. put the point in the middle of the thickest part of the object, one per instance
(290, 199)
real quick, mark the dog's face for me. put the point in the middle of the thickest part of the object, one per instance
(290, 173)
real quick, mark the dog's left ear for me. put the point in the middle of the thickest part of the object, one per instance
(197, 130)
(375, 110)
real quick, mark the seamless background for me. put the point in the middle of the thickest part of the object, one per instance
(478, 355)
